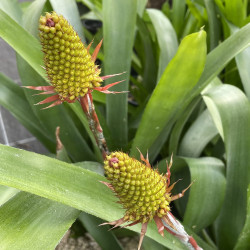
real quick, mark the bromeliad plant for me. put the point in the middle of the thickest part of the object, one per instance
(73, 76)
(177, 103)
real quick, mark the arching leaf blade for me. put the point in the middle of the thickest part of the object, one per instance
(70, 185)
(32, 222)
(230, 110)
(209, 185)
(171, 90)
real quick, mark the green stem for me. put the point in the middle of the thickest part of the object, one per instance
(94, 124)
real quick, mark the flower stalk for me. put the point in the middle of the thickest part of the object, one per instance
(94, 124)
(71, 71)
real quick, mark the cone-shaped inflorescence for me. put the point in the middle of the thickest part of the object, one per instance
(142, 190)
(69, 66)
(145, 194)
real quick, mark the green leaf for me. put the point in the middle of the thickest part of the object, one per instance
(141, 4)
(32, 222)
(230, 110)
(197, 12)
(178, 16)
(31, 16)
(166, 37)
(12, 8)
(91, 166)
(26, 45)
(149, 244)
(68, 184)
(12, 98)
(189, 60)
(119, 32)
(178, 128)
(214, 24)
(200, 133)
(235, 11)
(244, 239)
(242, 60)
(209, 185)
(218, 58)
(106, 240)
(43, 217)
(145, 50)
(190, 24)
(6, 193)
(96, 8)
(69, 10)
(159, 142)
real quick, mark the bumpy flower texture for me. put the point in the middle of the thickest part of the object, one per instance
(144, 194)
(70, 68)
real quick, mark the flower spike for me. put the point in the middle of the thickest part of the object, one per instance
(145, 194)
(70, 68)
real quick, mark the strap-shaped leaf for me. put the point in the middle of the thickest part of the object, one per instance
(200, 133)
(12, 8)
(145, 50)
(242, 60)
(95, 7)
(209, 185)
(166, 37)
(178, 17)
(6, 193)
(26, 45)
(35, 222)
(70, 185)
(119, 20)
(214, 23)
(178, 127)
(178, 79)
(31, 222)
(230, 110)
(218, 58)
(105, 238)
(244, 239)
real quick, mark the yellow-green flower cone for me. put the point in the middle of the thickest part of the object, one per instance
(68, 63)
(142, 191)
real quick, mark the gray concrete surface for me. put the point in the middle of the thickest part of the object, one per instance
(11, 131)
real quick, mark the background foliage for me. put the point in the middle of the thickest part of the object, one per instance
(189, 94)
